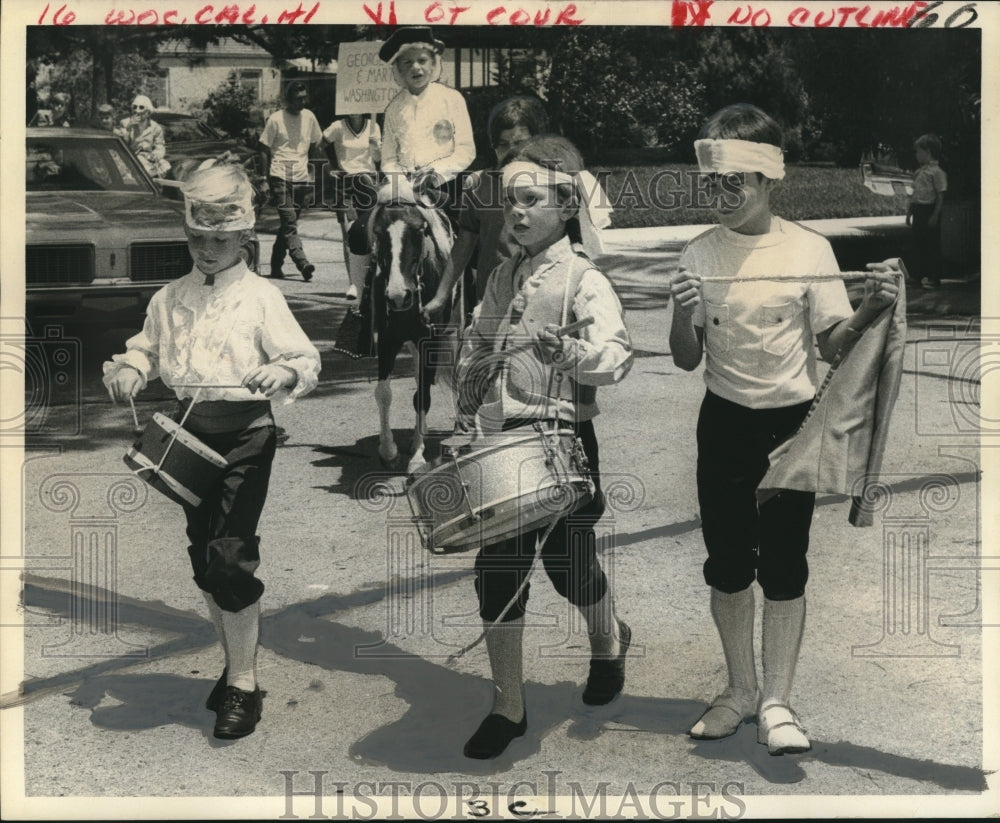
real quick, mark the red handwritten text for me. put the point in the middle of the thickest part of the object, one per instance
(854, 16)
(60, 18)
(697, 10)
(231, 13)
(376, 15)
(436, 12)
(750, 17)
(521, 17)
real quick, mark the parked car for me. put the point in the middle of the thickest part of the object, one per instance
(191, 141)
(96, 225)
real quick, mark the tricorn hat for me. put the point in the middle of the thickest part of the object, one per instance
(409, 37)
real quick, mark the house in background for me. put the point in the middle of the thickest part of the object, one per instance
(186, 75)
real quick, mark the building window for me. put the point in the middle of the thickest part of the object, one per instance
(158, 88)
(251, 79)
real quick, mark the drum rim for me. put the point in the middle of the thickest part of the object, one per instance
(500, 501)
(189, 440)
(488, 448)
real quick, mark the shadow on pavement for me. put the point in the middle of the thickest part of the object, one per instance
(444, 706)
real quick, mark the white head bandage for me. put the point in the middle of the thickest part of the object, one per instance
(219, 198)
(595, 209)
(724, 156)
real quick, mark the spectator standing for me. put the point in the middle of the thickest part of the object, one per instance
(290, 137)
(923, 215)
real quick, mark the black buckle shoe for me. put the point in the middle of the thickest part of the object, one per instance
(607, 677)
(239, 712)
(215, 696)
(493, 736)
(307, 272)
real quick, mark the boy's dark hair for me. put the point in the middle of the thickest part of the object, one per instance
(294, 88)
(554, 152)
(514, 112)
(743, 121)
(930, 143)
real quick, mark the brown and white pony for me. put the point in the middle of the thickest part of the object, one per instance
(411, 243)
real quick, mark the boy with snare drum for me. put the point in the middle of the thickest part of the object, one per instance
(551, 205)
(221, 337)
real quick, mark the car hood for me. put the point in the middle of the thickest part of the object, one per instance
(96, 208)
(203, 148)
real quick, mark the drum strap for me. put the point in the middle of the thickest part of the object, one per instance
(539, 542)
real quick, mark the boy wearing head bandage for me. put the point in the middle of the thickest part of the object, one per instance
(761, 377)
(428, 134)
(221, 337)
(552, 206)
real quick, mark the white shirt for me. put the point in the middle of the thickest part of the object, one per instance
(430, 129)
(289, 137)
(354, 151)
(195, 334)
(759, 335)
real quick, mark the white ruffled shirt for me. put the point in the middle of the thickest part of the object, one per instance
(430, 129)
(199, 334)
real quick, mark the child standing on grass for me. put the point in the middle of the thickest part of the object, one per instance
(924, 212)
(544, 285)
(223, 327)
(760, 375)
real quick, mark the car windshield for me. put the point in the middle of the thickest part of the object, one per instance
(187, 130)
(81, 164)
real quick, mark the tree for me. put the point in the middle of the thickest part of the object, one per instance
(230, 108)
(612, 87)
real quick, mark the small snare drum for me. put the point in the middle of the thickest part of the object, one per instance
(485, 491)
(175, 462)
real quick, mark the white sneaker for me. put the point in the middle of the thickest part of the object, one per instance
(352, 292)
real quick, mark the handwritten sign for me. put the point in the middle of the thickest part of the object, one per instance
(364, 83)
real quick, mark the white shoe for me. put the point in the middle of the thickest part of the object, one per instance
(352, 292)
(779, 727)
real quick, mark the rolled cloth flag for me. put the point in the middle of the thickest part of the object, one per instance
(595, 209)
(726, 156)
(838, 449)
(218, 198)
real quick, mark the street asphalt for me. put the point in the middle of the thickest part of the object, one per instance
(358, 619)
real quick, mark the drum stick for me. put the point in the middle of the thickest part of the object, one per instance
(582, 323)
(135, 417)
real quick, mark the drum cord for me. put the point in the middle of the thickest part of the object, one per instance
(173, 437)
(539, 542)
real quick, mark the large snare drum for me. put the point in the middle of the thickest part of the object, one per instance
(190, 469)
(486, 491)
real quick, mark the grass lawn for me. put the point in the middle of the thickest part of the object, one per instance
(663, 195)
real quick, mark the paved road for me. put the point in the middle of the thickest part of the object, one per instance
(358, 619)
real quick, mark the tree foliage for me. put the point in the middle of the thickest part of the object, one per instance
(230, 106)
(613, 87)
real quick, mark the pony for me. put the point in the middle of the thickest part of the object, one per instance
(411, 242)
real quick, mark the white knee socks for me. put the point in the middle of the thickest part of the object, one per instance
(215, 613)
(504, 645)
(241, 631)
(357, 270)
(734, 616)
(784, 621)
